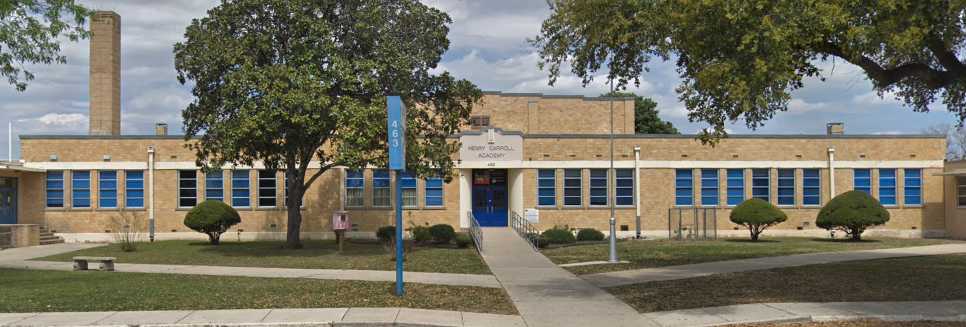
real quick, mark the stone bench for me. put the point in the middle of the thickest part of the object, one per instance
(106, 263)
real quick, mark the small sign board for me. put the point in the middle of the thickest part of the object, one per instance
(532, 215)
(397, 132)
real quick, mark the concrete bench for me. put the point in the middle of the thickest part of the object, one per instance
(106, 263)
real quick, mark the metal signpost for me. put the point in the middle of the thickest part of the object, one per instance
(397, 162)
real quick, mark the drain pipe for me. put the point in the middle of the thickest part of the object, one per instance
(831, 172)
(151, 193)
(637, 192)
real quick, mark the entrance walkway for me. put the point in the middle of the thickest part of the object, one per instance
(547, 295)
(637, 276)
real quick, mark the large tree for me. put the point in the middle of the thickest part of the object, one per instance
(30, 33)
(646, 119)
(300, 85)
(740, 59)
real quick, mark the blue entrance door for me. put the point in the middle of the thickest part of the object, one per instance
(8, 200)
(490, 197)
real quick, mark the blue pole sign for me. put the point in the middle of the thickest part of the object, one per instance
(397, 162)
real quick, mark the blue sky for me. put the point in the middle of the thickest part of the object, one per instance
(488, 47)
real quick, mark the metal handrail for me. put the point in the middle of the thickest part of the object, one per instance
(525, 229)
(475, 232)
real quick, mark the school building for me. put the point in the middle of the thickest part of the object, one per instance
(546, 157)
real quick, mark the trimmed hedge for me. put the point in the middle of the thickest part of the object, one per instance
(442, 233)
(852, 212)
(589, 234)
(386, 233)
(421, 234)
(757, 215)
(463, 240)
(558, 235)
(212, 218)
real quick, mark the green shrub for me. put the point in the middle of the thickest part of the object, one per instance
(442, 233)
(852, 212)
(542, 242)
(558, 235)
(420, 234)
(386, 233)
(212, 218)
(589, 234)
(463, 240)
(757, 215)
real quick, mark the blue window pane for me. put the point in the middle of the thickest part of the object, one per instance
(240, 188)
(55, 189)
(215, 186)
(887, 186)
(434, 192)
(81, 189)
(546, 187)
(709, 187)
(863, 180)
(408, 180)
(684, 187)
(760, 183)
(786, 186)
(912, 184)
(572, 187)
(598, 187)
(736, 186)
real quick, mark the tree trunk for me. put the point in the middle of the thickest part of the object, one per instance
(754, 233)
(293, 205)
(856, 234)
(214, 238)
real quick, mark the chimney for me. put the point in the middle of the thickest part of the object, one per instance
(105, 79)
(161, 129)
(835, 128)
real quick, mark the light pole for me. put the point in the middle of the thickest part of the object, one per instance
(610, 182)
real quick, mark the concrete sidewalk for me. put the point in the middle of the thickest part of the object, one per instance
(786, 312)
(547, 295)
(17, 259)
(274, 317)
(627, 277)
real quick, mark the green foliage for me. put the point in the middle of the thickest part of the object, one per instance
(852, 212)
(212, 218)
(442, 233)
(558, 235)
(646, 119)
(421, 234)
(463, 240)
(30, 33)
(275, 80)
(741, 59)
(590, 234)
(757, 215)
(386, 233)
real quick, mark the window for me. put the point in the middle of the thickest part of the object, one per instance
(572, 187)
(683, 187)
(434, 192)
(598, 187)
(240, 189)
(134, 189)
(107, 186)
(267, 188)
(80, 188)
(887, 187)
(381, 192)
(355, 187)
(812, 187)
(786, 187)
(408, 185)
(187, 188)
(709, 187)
(55, 189)
(961, 188)
(625, 187)
(760, 182)
(214, 186)
(546, 187)
(479, 121)
(736, 186)
(862, 181)
(912, 186)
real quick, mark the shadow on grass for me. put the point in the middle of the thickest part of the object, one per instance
(310, 249)
(844, 240)
(745, 240)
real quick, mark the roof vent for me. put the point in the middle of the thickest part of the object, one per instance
(835, 128)
(161, 129)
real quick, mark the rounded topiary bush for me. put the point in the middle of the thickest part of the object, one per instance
(589, 234)
(212, 218)
(463, 240)
(385, 234)
(421, 234)
(442, 233)
(757, 215)
(558, 235)
(852, 212)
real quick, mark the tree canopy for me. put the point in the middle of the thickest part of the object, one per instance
(646, 119)
(29, 34)
(740, 59)
(301, 85)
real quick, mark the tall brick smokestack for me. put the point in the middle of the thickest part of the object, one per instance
(105, 83)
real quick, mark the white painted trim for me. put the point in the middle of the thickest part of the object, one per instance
(723, 164)
(466, 191)
(92, 165)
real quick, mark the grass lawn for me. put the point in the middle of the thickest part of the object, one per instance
(927, 278)
(660, 253)
(52, 291)
(315, 255)
(862, 323)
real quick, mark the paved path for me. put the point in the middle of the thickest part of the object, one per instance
(547, 295)
(627, 277)
(18, 259)
(273, 317)
(779, 312)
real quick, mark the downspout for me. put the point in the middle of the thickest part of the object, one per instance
(151, 193)
(831, 172)
(637, 192)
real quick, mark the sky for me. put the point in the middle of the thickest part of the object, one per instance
(488, 46)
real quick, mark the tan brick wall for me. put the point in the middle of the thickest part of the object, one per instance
(536, 114)
(105, 78)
